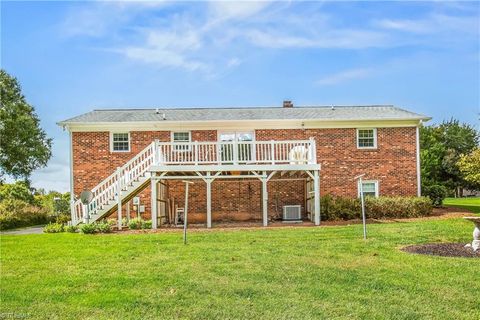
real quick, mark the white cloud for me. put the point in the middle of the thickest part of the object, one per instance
(327, 38)
(344, 76)
(432, 24)
(237, 9)
(209, 37)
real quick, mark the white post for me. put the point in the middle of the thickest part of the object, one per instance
(316, 186)
(86, 215)
(272, 151)
(156, 155)
(235, 151)
(265, 199)
(119, 199)
(209, 200)
(364, 220)
(195, 145)
(313, 150)
(153, 199)
(185, 214)
(360, 190)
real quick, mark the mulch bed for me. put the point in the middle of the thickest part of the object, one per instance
(443, 250)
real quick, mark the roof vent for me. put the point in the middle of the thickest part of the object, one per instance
(287, 104)
(163, 116)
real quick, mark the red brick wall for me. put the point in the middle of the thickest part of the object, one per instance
(393, 164)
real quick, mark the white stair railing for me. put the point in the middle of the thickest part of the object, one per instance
(111, 187)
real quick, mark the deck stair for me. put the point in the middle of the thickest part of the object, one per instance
(127, 181)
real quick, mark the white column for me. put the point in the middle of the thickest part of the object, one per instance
(209, 200)
(119, 200)
(153, 199)
(316, 186)
(265, 199)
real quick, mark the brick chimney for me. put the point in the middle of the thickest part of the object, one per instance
(287, 104)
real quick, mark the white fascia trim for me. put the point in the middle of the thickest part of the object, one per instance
(236, 125)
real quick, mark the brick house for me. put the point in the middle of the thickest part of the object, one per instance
(264, 163)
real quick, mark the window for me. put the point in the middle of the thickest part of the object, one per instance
(120, 142)
(366, 138)
(370, 189)
(182, 138)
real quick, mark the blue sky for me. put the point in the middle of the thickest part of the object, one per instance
(71, 57)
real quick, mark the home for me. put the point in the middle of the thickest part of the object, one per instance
(259, 163)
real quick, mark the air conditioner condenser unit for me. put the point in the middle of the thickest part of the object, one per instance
(292, 213)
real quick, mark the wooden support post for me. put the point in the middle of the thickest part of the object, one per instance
(154, 202)
(265, 199)
(316, 186)
(119, 199)
(208, 180)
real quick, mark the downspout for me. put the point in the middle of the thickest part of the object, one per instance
(72, 196)
(419, 181)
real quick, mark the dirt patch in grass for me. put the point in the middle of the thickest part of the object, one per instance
(443, 250)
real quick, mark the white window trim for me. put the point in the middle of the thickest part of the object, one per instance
(374, 138)
(375, 182)
(235, 132)
(189, 139)
(111, 141)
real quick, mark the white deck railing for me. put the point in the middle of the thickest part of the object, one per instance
(237, 152)
(194, 153)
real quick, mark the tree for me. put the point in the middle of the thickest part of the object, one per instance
(24, 146)
(469, 166)
(442, 146)
(17, 191)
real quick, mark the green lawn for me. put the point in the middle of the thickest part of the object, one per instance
(302, 273)
(472, 204)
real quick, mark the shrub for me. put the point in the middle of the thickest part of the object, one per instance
(397, 207)
(16, 213)
(88, 228)
(147, 224)
(436, 193)
(135, 224)
(342, 208)
(71, 229)
(63, 218)
(104, 227)
(53, 228)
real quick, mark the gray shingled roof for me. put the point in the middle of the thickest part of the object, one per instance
(377, 112)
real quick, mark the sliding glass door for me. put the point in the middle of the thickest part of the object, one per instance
(237, 146)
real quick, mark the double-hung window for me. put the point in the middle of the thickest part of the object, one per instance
(120, 142)
(181, 140)
(369, 188)
(366, 138)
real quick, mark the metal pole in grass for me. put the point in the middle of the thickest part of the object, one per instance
(185, 214)
(360, 189)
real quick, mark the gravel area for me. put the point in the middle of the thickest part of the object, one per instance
(443, 250)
